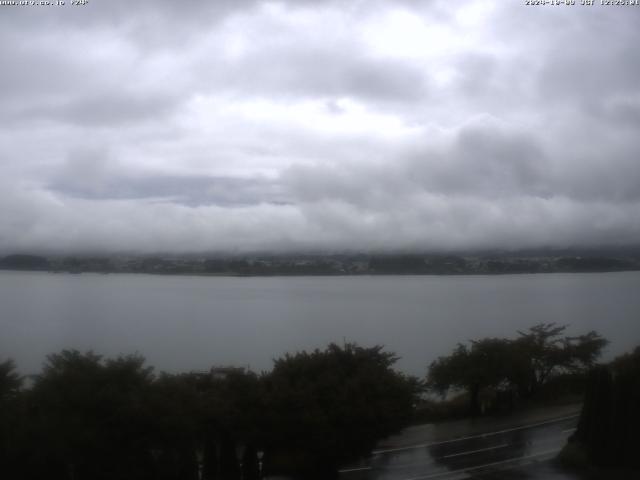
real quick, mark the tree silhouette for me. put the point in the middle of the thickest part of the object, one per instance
(10, 415)
(92, 418)
(89, 417)
(608, 428)
(542, 351)
(330, 406)
(10, 380)
(526, 363)
(473, 368)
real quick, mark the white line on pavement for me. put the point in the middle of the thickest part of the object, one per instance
(482, 435)
(357, 469)
(469, 452)
(479, 467)
(422, 464)
(435, 460)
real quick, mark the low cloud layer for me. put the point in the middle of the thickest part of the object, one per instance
(318, 125)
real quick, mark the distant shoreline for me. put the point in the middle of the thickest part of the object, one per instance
(342, 275)
(325, 265)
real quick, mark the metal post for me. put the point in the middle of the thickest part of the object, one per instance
(260, 454)
(200, 459)
(239, 455)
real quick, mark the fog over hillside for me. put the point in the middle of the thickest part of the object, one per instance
(300, 125)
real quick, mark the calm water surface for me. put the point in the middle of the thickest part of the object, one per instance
(184, 323)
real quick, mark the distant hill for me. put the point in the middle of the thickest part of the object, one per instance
(24, 262)
(494, 263)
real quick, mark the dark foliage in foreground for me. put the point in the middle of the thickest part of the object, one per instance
(87, 417)
(335, 404)
(515, 368)
(608, 429)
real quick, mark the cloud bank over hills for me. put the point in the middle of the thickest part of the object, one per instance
(286, 125)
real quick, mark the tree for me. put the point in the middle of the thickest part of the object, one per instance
(542, 352)
(607, 432)
(472, 369)
(90, 418)
(209, 413)
(10, 415)
(330, 406)
(10, 381)
(526, 363)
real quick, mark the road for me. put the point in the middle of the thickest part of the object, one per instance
(481, 449)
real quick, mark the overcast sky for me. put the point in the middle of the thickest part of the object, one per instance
(246, 125)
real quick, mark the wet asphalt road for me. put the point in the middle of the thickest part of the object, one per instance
(502, 452)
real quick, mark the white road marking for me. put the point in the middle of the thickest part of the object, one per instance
(469, 452)
(568, 430)
(482, 435)
(414, 464)
(357, 469)
(435, 460)
(479, 467)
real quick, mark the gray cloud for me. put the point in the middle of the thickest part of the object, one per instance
(92, 175)
(103, 109)
(324, 72)
(249, 124)
(485, 160)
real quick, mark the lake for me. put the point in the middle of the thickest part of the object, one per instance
(191, 323)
